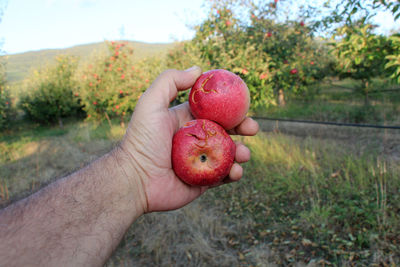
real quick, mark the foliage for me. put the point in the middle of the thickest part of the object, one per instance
(111, 86)
(393, 64)
(269, 56)
(361, 54)
(49, 96)
(6, 109)
(347, 12)
(183, 56)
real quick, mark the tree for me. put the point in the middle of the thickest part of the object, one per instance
(50, 93)
(254, 40)
(393, 64)
(361, 54)
(6, 108)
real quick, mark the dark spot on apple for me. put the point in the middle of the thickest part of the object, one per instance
(203, 158)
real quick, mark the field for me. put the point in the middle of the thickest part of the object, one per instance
(311, 195)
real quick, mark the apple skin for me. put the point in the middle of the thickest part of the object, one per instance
(221, 96)
(202, 153)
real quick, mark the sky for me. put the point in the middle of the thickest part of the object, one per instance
(39, 24)
(28, 25)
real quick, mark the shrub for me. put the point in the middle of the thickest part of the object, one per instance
(112, 84)
(6, 110)
(50, 93)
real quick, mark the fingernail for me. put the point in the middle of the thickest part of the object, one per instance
(192, 68)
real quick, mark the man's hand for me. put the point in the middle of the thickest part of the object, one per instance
(148, 142)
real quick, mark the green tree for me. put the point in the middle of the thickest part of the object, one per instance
(393, 64)
(271, 55)
(361, 55)
(6, 109)
(111, 85)
(50, 93)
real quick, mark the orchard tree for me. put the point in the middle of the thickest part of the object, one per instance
(349, 11)
(393, 64)
(50, 93)
(6, 109)
(111, 85)
(361, 55)
(107, 89)
(272, 54)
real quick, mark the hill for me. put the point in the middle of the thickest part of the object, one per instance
(19, 65)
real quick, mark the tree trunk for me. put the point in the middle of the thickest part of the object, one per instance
(60, 122)
(366, 90)
(281, 98)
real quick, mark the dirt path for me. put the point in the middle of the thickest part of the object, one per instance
(385, 141)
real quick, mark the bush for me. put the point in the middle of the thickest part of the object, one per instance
(50, 93)
(6, 110)
(111, 86)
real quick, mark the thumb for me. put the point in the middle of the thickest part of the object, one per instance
(165, 88)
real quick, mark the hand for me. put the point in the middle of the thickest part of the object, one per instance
(148, 142)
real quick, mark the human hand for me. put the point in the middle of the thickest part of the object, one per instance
(148, 142)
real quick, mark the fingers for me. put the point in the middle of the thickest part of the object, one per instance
(235, 174)
(248, 127)
(165, 88)
(242, 153)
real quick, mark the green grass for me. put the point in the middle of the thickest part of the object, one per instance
(319, 200)
(300, 201)
(338, 102)
(334, 112)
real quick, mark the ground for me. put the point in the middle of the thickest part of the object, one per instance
(311, 195)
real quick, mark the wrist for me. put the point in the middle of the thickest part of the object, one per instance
(131, 176)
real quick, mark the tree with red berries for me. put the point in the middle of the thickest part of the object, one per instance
(271, 56)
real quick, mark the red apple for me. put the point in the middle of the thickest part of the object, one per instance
(220, 96)
(202, 153)
(293, 71)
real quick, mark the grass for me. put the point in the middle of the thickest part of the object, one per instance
(339, 102)
(303, 200)
(38, 154)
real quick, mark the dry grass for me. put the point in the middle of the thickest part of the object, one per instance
(28, 163)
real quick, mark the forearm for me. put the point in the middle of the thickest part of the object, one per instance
(78, 220)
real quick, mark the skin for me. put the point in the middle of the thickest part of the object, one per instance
(80, 219)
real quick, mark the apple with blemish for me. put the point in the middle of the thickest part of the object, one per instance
(202, 153)
(221, 96)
